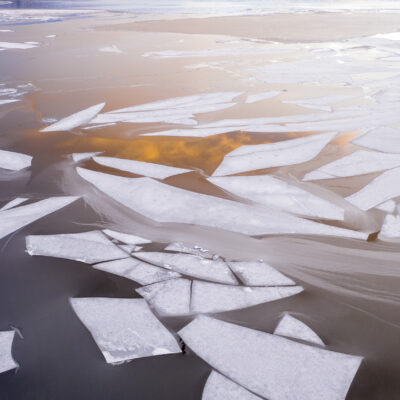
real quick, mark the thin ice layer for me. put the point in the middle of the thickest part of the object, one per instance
(140, 167)
(6, 359)
(273, 192)
(14, 161)
(165, 203)
(14, 203)
(195, 250)
(137, 271)
(269, 365)
(126, 238)
(124, 329)
(191, 265)
(213, 297)
(75, 120)
(260, 156)
(384, 139)
(255, 273)
(293, 328)
(16, 218)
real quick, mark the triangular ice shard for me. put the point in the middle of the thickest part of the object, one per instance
(14, 161)
(14, 203)
(6, 359)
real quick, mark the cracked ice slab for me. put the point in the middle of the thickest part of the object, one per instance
(260, 156)
(165, 203)
(137, 271)
(14, 161)
(218, 387)
(293, 328)
(255, 273)
(273, 192)
(384, 187)
(126, 238)
(6, 359)
(191, 265)
(16, 218)
(384, 139)
(358, 163)
(75, 120)
(124, 329)
(157, 171)
(213, 297)
(269, 365)
(14, 203)
(88, 247)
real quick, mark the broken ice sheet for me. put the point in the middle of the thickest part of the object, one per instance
(260, 156)
(14, 203)
(273, 192)
(293, 328)
(124, 329)
(140, 167)
(126, 238)
(384, 139)
(269, 365)
(191, 265)
(88, 247)
(14, 161)
(75, 120)
(137, 271)
(195, 250)
(6, 359)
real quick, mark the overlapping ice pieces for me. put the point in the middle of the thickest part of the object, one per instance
(195, 250)
(293, 328)
(168, 298)
(358, 163)
(14, 161)
(140, 167)
(137, 271)
(390, 228)
(379, 190)
(6, 359)
(384, 139)
(253, 98)
(269, 365)
(165, 203)
(191, 265)
(220, 388)
(124, 329)
(256, 273)
(14, 203)
(126, 237)
(84, 156)
(213, 297)
(87, 247)
(260, 156)
(15, 218)
(75, 120)
(273, 192)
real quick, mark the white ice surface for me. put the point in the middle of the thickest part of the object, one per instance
(269, 365)
(253, 98)
(8, 101)
(14, 161)
(6, 359)
(126, 238)
(384, 139)
(293, 328)
(195, 250)
(18, 46)
(388, 206)
(14, 203)
(111, 49)
(390, 228)
(84, 156)
(195, 132)
(124, 329)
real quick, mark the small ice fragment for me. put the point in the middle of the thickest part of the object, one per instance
(126, 237)
(75, 120)
(111, 49)
(14, 203)
(384, 139)
(6, 30)
(84, 156)
(137, 271)
(253, 98)
(14, 161)
(8, 101)
(182, 248)
(388, 206)
(6, 359)
(124, 329)
(51, 36)
(293, 328)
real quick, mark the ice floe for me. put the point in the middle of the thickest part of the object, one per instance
(77, 157)
(253, 98)
(6, 359)
(260, 156)
(269, 365)
(16, 218)
(14, 161)
(14, 203)
(140, 167)
(384, 139)
(75, 120)
(17, 46)
(111, 49)
(126, 238)
(124, 329)
(293, 328)
(195, 250)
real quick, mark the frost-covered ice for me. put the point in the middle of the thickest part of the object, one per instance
(137, 271)
(220, 388)
(6, 359)
(77, 157)
(16, 46)
(384, 187)
(124, 329)
(253, 98)
(391, 228)
(191, 265)
(358, 163)
(195, 250)
(269, 365)
(384, 139)
(14, 161)
(213, 297)
(88, 247)
(293, 328)
(111, 49)
(256, 273)
(14, 203)
(157, 171)
(260, 156)
(16, 218)
(275, 193)
(126, 238)
(73, 121)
